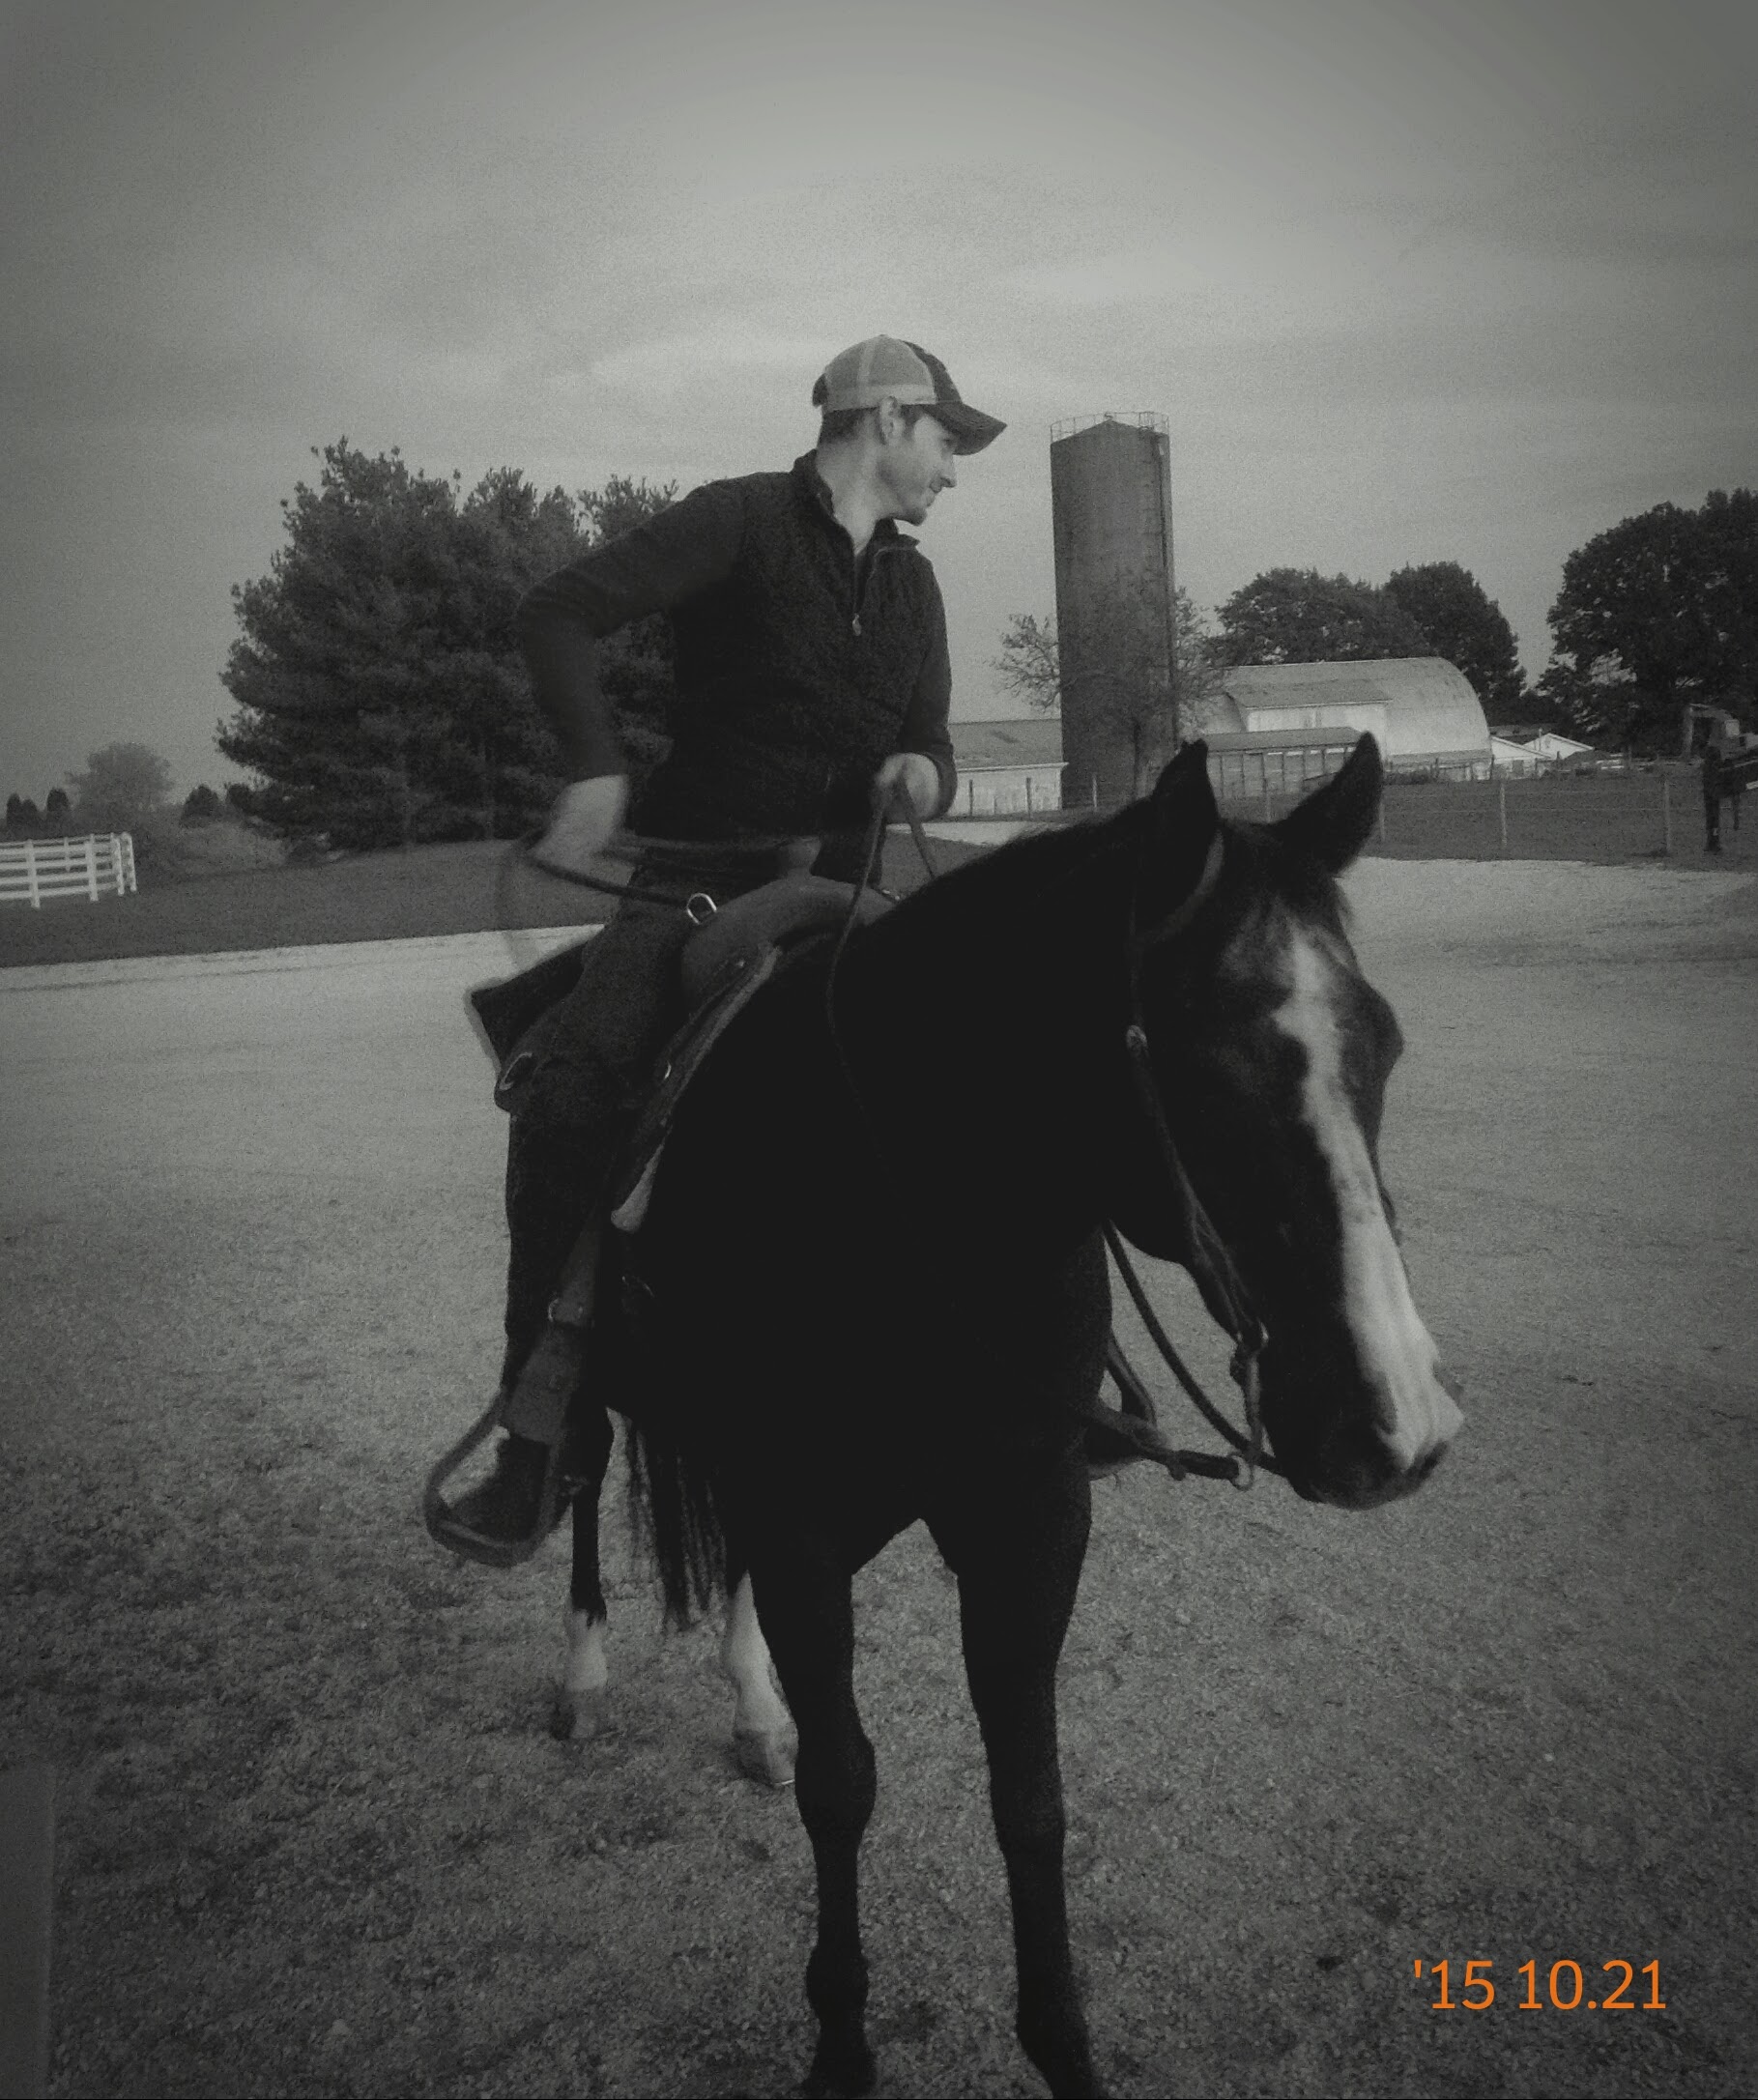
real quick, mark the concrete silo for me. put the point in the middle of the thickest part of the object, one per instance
(1111, 494)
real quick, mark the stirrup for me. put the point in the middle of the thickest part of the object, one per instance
(446, 1529)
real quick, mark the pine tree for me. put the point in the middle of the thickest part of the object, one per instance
(381, 695)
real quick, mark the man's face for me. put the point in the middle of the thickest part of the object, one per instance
(915, 465)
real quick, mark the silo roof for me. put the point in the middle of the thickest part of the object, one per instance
(1431, 709)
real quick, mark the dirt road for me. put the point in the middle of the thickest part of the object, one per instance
(314, 1837)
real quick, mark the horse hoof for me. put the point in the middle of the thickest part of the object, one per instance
(841, 2073)
(579, 1714)
(845, 2073)
(766, 1755)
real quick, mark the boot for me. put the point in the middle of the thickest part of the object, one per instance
(505, 1519)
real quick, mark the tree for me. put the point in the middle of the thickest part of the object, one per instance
(1666, 603)
(381, 697)
(1597, 703)
(1114, 674)
(124, 787)
(1466, 627)
(56, 804)
(201, 806)
(636, 664)
(1299, 616)
(21, 813)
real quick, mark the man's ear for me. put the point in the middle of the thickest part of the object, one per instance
(888, 418)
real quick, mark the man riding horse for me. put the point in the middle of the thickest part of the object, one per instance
(813, 683)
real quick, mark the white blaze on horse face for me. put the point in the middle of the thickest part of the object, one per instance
(1396, 1349)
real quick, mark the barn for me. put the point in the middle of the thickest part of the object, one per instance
(1546, 752)
(1007, 768)
(1272, 727)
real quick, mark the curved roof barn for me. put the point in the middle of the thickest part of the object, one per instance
(1420, 709)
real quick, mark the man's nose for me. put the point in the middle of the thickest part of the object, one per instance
(948, 479)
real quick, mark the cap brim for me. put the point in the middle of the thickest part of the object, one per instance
(969, 426)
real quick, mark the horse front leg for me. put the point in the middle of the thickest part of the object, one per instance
(1018, 1577)
(808, 1613)
(763, 1741)
(582, 1704)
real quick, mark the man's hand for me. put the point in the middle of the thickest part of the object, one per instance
(582, 823)
(918, 777)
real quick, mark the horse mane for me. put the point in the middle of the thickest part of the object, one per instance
(1029, 872)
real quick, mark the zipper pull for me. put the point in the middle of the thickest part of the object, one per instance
(857, 623)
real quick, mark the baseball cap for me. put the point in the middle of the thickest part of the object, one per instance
(861, 376)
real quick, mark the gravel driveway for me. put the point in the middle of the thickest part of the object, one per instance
(314, 1836)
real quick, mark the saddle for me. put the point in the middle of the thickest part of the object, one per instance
(723, 965)
(776, 915)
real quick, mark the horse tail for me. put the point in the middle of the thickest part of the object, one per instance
(675, 1517)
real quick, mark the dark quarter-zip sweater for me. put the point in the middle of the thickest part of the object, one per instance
(800, 670)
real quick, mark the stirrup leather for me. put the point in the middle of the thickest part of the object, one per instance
(534, 1406)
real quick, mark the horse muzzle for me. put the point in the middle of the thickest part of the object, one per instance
(1355, 1447)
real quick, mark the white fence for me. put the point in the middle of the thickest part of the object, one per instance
(38, 868)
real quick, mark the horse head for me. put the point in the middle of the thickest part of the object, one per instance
(1270, 1054)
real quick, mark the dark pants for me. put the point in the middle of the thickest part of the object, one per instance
(592, 1063)
(1712, 823)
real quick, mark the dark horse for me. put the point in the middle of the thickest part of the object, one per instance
(861, 1312)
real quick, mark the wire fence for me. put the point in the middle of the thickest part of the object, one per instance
(1650, 813)
(1639, 816)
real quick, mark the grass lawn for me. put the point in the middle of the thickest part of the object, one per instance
(472, 888)
(387, 895)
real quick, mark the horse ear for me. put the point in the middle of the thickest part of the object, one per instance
(1185, 822)
(1333, 825)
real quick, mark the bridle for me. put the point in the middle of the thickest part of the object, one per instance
(1206, 1256)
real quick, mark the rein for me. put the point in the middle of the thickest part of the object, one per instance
(1208, 1256)
(691, 856)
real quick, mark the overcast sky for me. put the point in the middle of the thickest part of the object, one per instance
(1411, 282)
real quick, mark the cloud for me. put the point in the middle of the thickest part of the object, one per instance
(701, 362)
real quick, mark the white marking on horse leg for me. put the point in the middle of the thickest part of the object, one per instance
(581, 1698)
(1396, 1351)
(763, 1731)
(588, 1667)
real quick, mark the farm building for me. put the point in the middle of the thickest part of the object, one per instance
(1007, 768)
(1556, 749)
(1547, 752)
(1110, 503)
(1274, 725)
(1270, 727)
(1513, 760)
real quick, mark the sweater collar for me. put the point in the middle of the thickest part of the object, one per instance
(813, 487)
